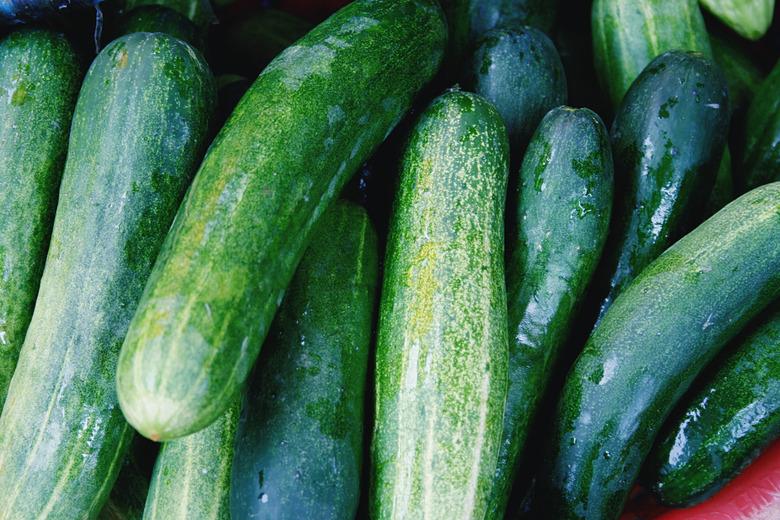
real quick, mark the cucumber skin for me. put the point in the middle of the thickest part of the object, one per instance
(749, 18)
(646, 351)
(247, 218)
(563, 214)
(441, 364)
(191, 477)
(40, 76)
(729, 421)
(302, 424)
(761, 157)
(131, 154)
(665, 161)
(157, 18)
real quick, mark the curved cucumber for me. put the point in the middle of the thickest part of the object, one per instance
(138, 129)
(39, 80)
(299, 446)
(563, 217)
(441, 366)
(304, 127)
(156, 18)
(749, 18)
(660, 332)
(761, 149)
(667, 140)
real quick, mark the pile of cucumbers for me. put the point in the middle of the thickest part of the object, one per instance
(385, 265)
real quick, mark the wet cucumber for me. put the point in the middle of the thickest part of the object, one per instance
(441, 366)
(761, 149)
(749, 18)
(305, 126)
(137, 133)
(299, 446)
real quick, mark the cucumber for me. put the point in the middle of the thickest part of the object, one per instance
(299, 445)
(191, 477)
(629, 34)
(660, 332)
(304, 127)
(667, 140)
(156, 18)
(563, 216)
(441, 364)
(485, 15)
(39, 81)
(749, 18)
(138, 129)
(742, 74)
(734, 415)
(761, 156)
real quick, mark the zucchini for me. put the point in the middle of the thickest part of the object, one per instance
(156, 18)
(660, 332)
(138, 128)
(301, 436)
(667, 140)
(304, 127)
(563, 216)
(749, 18)
(441, 366)
(761, 149)
(734, 415)
(485, 15)
(39, 81)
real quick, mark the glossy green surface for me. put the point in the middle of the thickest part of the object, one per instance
(667, 140)
(304, 127)
(441, 365)
(299, 446)
(742, 74)
(563, 216)
(156, 18)
(137, 133)
(659, 334)
(761, 160)
(485, 15)
(749, 18)
(39, 81)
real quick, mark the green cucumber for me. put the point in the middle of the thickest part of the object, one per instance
(304, 127)
(191, 477)
(441, 364)
(563, 216)
(39, 81)
(761, 148)
(299, 446)
(661, 331)
(667, 140)
(629, 34)
(749, 18)
(485, 15)
(137, 132)
(732, 417)
(742, 74)
(156, 18)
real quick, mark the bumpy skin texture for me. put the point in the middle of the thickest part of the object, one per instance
(441, 367)
(749, 18)
(660, 332)
(310, 120)
(299, 446)
(563, 215)
(761, 159)
(191, 477)
(156, 18)
(137, 133)
(628, 34)
(667, 140)
(485, 15)
(732, 417)
(39, 81)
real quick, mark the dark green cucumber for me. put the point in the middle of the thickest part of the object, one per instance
(732, 417)
(441, 367)
(304, 127)
(137, 132)
(191, 477)
(761, 149)
(563, 215)
(629, 34)
(156, 18)
(39, 81)
(654, 340)
(667, 140)
(485, 15)
(749, 18)
(742, 74)
(299, 446)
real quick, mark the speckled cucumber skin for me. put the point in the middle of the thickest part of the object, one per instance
(305, 126)
(191, 478)
(733, 416)
(441, 367)
(660, 332)
(565, 201)
(299, 446)
(667, 140)
(39, 82)
(156, 18)
(761, 156)
(749, 18)
(137, 131)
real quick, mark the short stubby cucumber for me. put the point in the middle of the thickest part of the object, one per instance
(299, 446)
(654, 340)
(138, 130)
(760, 161)
(305, 126)
(749, 18)
(441, 363)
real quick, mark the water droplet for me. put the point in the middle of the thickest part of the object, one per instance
(263, 498)
(607, 455)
